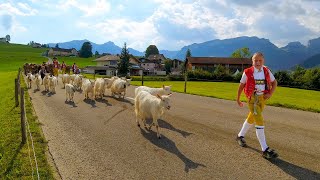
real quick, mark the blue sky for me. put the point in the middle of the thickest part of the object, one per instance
(169, 24)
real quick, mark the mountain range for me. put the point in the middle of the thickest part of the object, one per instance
(276, 58)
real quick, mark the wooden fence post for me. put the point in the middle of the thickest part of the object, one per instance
(23, 117)
(185, 81)
(19, 72)
(142, 79)
(16, 91)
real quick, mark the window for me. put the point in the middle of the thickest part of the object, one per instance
(113, 62)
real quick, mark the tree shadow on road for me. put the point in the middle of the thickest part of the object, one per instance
(164, 124)
(291, 169)
(103, 101)
(170, 146)
(91, 102)
(295, 171)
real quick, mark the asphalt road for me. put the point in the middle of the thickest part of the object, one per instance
(100, 140)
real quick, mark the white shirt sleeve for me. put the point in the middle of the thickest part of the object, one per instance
(272, 78)
(244, 78)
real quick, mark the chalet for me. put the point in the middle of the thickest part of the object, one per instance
(3, 39)
(209, 63)
(157, 57)
(36, 45)
(102, 70)
(153, 65)
(62, 52)
(176, 66)
(108, 64)
(108, 60)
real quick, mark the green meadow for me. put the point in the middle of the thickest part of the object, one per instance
(14, 156)
(284, 97)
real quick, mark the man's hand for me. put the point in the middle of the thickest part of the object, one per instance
(240, 103)
(267, 96)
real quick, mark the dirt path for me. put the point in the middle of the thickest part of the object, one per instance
(100, 140)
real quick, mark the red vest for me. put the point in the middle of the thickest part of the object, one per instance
(250, 84)
(55, 64)
(63, 66)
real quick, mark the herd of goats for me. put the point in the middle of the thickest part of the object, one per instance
(149, 102)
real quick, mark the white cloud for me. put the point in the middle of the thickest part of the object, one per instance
(96, 8)
(169, 24)
(120, 7)
(8, 14)
(24, 10)
(27, 8)
(136, 34)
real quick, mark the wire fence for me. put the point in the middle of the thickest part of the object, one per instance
(24, 123)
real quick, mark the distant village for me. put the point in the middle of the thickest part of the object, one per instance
(154, 64)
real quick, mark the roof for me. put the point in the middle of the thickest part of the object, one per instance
(62, 50)
(99, 67)
(107, 58)
(218, 60)
(151, 61)
(177, 60)
(134, 60)
(156, 57)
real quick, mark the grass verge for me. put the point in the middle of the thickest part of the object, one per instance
(15, 162)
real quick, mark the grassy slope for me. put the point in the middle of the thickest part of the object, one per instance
(14, 157)
(285, 97)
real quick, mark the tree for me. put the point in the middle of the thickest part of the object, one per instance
(57, 45)
(312, 78)
(86, 50)
(283, 77)
(185, 70)
(241, 53)
(8, 38)
(96, 54)
(31, 43)
(123, 65)
(152, 49)
(188, 54)
(168, 65)
(297, 76)
(220, 72)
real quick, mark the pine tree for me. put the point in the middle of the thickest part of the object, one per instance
(86, 50)
(188, 54)
(123, 65)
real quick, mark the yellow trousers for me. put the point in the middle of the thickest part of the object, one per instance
(256, 105)
(55, 72)
(63, 70)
